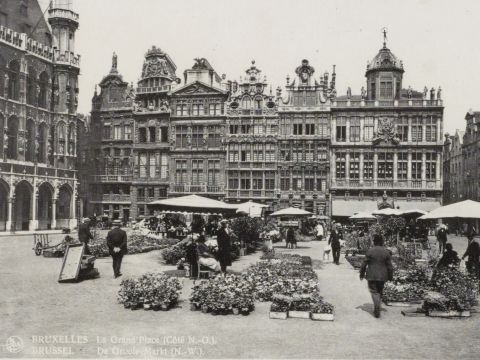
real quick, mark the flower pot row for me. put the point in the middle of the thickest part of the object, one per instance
(148, 306)
(301, 315)
(234, 310)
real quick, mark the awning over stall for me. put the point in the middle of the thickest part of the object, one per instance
(351, 207)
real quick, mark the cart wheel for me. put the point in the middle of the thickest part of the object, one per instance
(38, 249)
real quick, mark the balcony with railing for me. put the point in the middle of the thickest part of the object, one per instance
(388, 103)
(111, 178)
(250, 194)
(116, 198)
(384, 184)
(196, 189)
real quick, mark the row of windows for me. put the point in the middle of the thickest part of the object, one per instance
(199, 174)
(198, 137)
(198, 109)
(251, 152)
(385, 166)
(257, 129)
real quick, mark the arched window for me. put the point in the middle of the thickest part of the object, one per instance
(14, 80)
(258, 103)
(3, 69)
(12, 133)
(30, 146)
(51, 145)
(42, 143)
(31, 86)
(71, 139)
(42, 96)
(61, 138)
(246, 103)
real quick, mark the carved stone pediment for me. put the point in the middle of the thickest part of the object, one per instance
(197, 88)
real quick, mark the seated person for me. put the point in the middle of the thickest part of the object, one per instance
(449, 258)
(204, 256)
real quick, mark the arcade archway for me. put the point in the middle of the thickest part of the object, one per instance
(23, 206)
(64, 206)
(44, 206)
(4, 195)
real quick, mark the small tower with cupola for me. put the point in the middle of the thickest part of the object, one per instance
(384, 74)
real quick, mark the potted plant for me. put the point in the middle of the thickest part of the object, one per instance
(280, 306)
(300, 307)
(322, 311)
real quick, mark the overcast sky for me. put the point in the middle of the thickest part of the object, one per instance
(438, 41)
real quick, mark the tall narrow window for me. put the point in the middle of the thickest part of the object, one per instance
(402, 166)
(431, 166)
(341, 133)
(14, 80)
(354, 130)
(31, 87)
(417, 133)
(152, 166)
(368, 166)
(128, 132)
(284, 179)
(43, 94)
(431, 130)
(368, 129)
(164, 134)
(181, 172)
(142, 134)
(197, 172)
(402, 129)
(233, 180)
(213, 172)
(417, 166)
(181, 136)
(340, 164)
(197, 136)
(152, 131)
(354, 167)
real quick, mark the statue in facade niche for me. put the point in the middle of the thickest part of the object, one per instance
(409, 92)
(432, 94)
(349, 92)
(164, 106)
(425, 93)
(364, 93)
(439, 93)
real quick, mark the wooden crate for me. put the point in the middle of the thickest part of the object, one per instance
(299, 314)
(278, 315)
(322, 317)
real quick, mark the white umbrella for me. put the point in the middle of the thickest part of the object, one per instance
(251, 208)
(414, 212)
(387, 212)
(362, 216)
(467, 209)
(291, 211)
(193, 204)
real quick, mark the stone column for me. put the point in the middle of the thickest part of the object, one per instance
(360, 175)
(315, 180)
(424, 167)
(291, 177)
(73, 210)
(439, 129)
(347, 166)
(409, 167)
(277, 178)
(375, 168)
(303, 178)
(33, 225)
(438, 171)
(395, 167)
(409, 133)
(332, 167)
(54, 213)
(347, 132)
(362, 124)
(10, 222)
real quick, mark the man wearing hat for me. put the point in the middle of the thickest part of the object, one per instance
(117, 246)
(224, 246)
(84, 234)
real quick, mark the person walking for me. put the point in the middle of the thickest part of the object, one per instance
(117, 246)
(224, 246)
(334, 242)
(377, 269)
(442, 238)
(84, 234)
(449, 258)
(473, 253)
(291, 238)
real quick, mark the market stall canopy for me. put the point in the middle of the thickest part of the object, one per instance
(194, 204)
(467, 209)
(347, 208)
(387, 212)
(320, 217)
(251, 208)
(362, 216)
(291, 211)
(413, 212)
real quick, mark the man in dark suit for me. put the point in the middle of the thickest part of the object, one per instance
(117, 246)
(377, 269)
(334, 242)
(84, 234)
(224, 246)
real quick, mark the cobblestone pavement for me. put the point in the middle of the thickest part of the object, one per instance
(34, 305)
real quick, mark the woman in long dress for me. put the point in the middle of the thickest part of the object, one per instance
(224, 246)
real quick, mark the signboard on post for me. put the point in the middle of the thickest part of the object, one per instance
(71, 263)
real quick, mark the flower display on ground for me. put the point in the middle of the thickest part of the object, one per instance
(173, 254)
(408, 284)
(155, 289)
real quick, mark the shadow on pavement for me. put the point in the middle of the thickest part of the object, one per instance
(368, 308)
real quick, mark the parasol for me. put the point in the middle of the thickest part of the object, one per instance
(291, 211)
(467, 209)
(362, 216)
(251, 208)
(387, 212)
(193, 204)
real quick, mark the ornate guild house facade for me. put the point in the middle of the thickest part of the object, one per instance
(386, 143)
(38, 102)
(238, 141)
